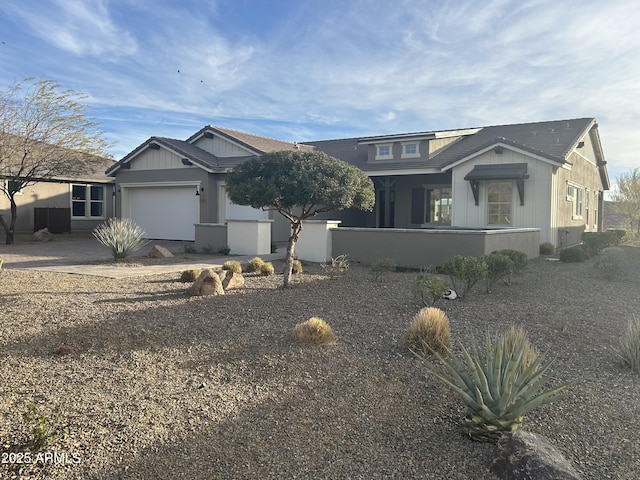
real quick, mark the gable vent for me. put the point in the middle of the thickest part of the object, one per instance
(207, 135)
(154, 146)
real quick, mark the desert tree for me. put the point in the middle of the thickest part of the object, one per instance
(627, 197)
(299, 185)
(44, 134)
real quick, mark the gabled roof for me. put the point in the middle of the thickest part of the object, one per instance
(553, 140)
(255, 143)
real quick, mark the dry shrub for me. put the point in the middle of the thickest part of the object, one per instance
(629, 349)
(267, 269)
(190, 275)
(254, 265)
(314, 331)
(517, 336)
(296, 267)
(429, 332)
(232, 265)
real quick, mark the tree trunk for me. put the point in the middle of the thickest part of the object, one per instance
(296, 227)
(10, 229)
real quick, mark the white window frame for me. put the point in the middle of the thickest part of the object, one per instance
(575, 195)
(88, 201)
(6, 187)
(406, 154)
(380, 156)
(509, 216)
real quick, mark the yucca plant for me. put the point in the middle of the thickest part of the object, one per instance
(495, 387)
(120, 235)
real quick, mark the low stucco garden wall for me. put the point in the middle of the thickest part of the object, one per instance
(421, 248)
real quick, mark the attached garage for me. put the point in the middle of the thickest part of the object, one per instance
(166, 212)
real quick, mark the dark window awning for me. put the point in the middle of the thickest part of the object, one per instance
(497, 172)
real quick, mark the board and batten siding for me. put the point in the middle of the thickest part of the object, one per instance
(221, 147)
(161, 159)
(537, 194)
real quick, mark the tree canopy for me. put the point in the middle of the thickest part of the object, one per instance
(627, 197)
(44, 134)
(299, 185)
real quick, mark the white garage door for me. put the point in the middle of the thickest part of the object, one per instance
(165, 213)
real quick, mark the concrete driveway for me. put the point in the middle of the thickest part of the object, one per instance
(69, 254)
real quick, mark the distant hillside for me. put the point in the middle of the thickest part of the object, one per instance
(611, 218)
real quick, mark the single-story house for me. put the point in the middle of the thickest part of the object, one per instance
(64, 204)
(547, 175)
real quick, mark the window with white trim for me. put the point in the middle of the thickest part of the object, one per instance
(575, 195)
(586, 207)
(87, 201)
(11, 185)
(410, 150)
(499, 203)
(384, 152)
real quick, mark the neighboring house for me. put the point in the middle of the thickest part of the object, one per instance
(70, 204)
(548, 175)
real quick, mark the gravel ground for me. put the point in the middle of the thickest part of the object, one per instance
(159, 385)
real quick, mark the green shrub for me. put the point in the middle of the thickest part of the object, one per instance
(499, 267)
(232, 265)
(429, 288)
(314, 331)
(382, 266)
(224, 250)
(190, 275)
(609, 263)
(267, 269)
(207, 250)
(595, 242)
(465, 272)
(0, 264)
(495, 386)
(547, 248)
(573, 255)
(629, 349)
(519, 259)
(338, 266)
(120, 235)
(296, 267)
(428, 332)
(619, 235)
(254, 264)
(190, 249)
(45, 430)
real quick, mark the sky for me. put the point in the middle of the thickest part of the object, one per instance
(303, 70)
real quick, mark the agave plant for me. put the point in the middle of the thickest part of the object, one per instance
(495, 387)
(120, 235)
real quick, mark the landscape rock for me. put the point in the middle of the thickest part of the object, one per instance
(231, 279)
(522, 455)
(208, 283)
(64, 350)
(43, 235)
(160, 252)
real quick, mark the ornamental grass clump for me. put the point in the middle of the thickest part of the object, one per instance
(232, 265)
(190, 275)
(120, 235)
(382, 267)
(428, 332)
(314, 331)
(296, 267)
(495, 386)
(254, 265)
(267, 269)
(629, 349)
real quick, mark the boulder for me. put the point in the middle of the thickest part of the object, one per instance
(231, 280)
(159, 252)
(524, 455)
(208, 283)
(43, 235)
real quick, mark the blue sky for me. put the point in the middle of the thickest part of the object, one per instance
(320, 69)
